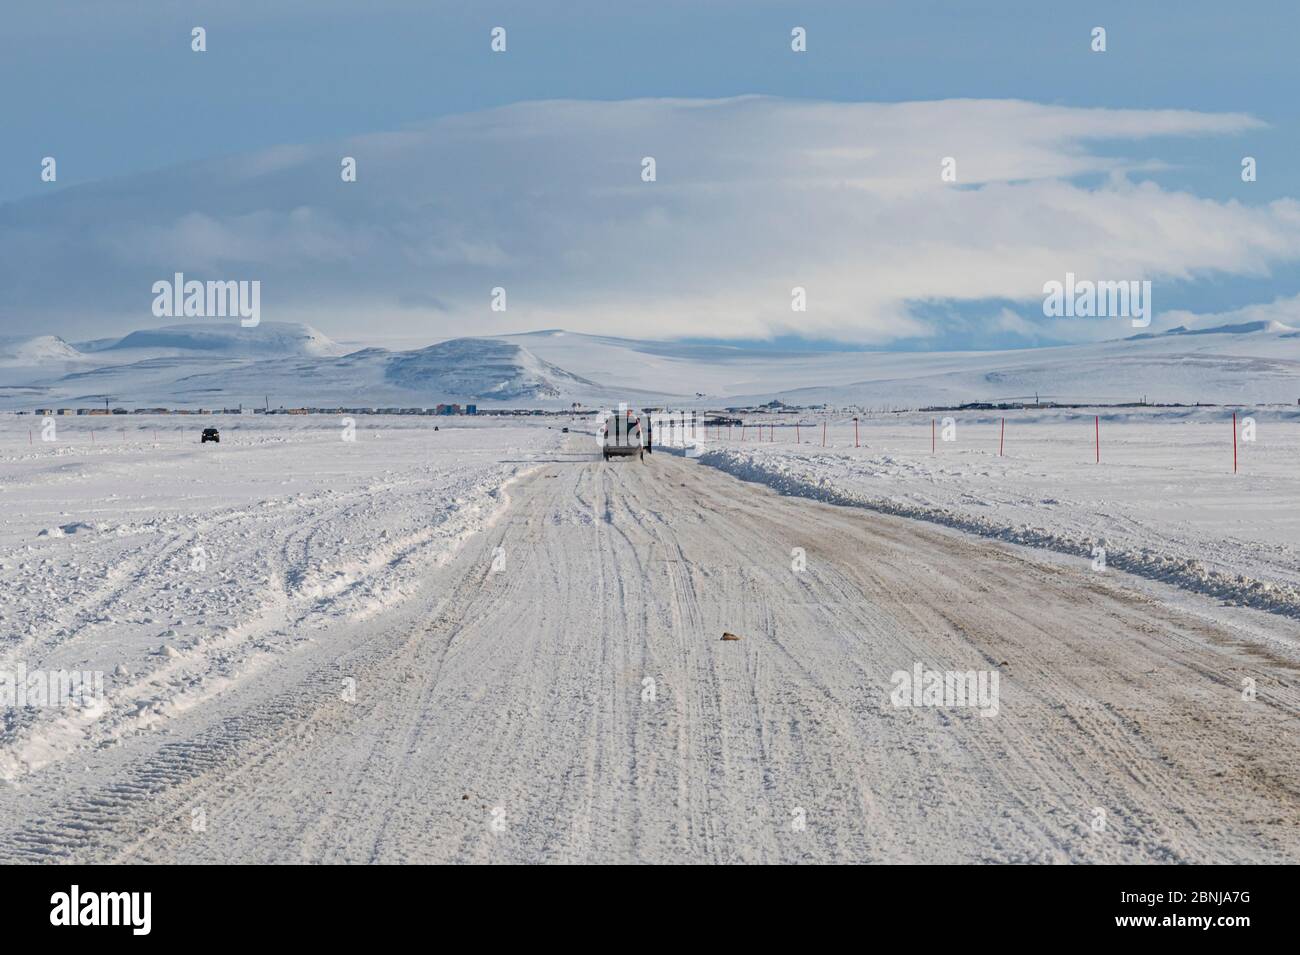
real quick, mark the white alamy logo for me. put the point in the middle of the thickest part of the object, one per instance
(55, 688)
(103, 908)
(1086, 299)
(946, 688)
(194, 299)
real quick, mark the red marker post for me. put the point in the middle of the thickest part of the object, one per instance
(855, 432)
(823, 434)
(1234, 442)
(1097, 426)
(1002, 439)
(932, 436)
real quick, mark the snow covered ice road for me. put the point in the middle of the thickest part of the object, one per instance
(502, 711)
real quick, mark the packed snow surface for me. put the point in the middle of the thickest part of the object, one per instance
(486, 644)
(190, 565)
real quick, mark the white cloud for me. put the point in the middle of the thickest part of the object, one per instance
(754, 196)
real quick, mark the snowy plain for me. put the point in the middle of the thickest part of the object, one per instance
(178, 569)
(1163, 502)
(486, 644)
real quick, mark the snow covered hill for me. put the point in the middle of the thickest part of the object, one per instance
(295, 365)
(1250, 362)
(268, 339)
(484, 368)
(1228, 364)
(37, 351)
(1246, 362)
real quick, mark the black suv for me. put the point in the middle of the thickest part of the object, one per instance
(210, 434)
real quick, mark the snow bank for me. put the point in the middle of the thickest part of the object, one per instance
(1163, 504)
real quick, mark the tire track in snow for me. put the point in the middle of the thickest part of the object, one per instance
(523, 692)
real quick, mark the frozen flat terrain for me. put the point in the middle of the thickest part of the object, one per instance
(178, 569)
(435, 647)
(1163, 502)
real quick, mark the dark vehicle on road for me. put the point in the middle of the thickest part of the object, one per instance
(621, 437)
(210, 434)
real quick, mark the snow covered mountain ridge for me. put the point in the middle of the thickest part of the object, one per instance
(226, 364)
(266, 340)
(39, 350)
(294, 364)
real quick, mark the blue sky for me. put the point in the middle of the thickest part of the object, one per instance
(113, 91)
